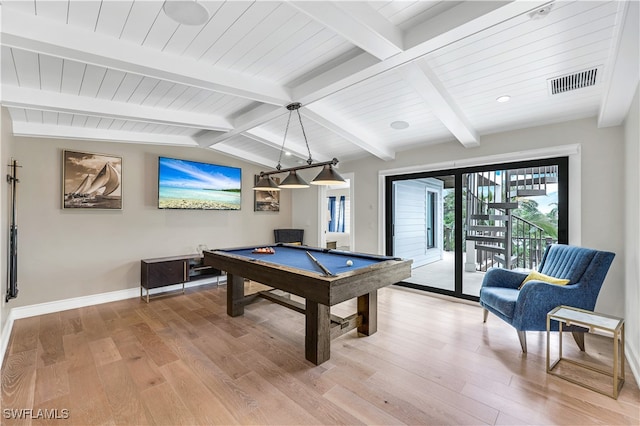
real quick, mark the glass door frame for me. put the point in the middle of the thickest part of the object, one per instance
(563, 211)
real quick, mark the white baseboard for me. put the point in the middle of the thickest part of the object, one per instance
(82, 301)
(6, 333)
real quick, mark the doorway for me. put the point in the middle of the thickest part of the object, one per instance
(336, 215)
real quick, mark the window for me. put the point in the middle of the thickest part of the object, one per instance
(431, 219)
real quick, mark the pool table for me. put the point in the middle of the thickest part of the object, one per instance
(291, 269)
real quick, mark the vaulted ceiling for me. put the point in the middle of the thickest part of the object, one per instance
(124, 71)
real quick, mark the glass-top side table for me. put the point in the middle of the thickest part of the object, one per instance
(595, 323)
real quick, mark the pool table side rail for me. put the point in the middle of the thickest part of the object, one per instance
(327, 290)
(377, 276)
(302, 283)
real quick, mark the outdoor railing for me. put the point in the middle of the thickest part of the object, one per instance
(528, 243)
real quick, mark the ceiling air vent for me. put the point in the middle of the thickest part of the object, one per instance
(573, 81)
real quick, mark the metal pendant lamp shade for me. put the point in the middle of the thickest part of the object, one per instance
(265, 183)
(328, 176)
(293, 180)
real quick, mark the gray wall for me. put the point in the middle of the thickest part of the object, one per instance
(5, 209)
(632, 231)
(306, 211)
(71, 253)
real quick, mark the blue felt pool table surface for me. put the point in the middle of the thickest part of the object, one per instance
(296, 257)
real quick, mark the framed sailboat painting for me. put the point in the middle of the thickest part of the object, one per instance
(91, 181)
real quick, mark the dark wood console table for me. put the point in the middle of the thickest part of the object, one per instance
(165, 271)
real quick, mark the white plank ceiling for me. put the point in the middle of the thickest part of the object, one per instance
(123, 71)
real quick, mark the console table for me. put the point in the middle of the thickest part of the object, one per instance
(165, 271)
(594, 322)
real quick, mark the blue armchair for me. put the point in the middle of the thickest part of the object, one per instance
(526, 308)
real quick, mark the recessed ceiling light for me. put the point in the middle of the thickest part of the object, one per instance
(540, 12)
(503, 98)
(399, 125)
(288, 154)
(186, 12)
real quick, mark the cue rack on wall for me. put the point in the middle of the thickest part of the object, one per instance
(12, 276)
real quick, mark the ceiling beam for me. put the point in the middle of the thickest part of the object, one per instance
(243, 155)
(465, 19)
(358, 23)
(28, 32)
(624, 74)
(343, 75)
(419, 76)
(453, 25)
(18, 97)
(243, 123)
(21, 128)
(341, 127)
(296, 149)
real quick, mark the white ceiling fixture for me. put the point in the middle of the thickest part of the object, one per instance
(186, 12)
(541, 12)
(399, 125)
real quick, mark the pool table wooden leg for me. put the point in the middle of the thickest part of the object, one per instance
(235, 295)
(368, 308)
(317, 340)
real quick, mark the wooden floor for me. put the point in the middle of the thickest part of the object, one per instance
(181, 360)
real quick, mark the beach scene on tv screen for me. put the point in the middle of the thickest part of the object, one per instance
(186, 184)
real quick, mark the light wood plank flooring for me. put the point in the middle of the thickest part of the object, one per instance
(182, 360)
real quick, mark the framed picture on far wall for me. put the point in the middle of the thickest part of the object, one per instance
(266, 201)
(91, 181)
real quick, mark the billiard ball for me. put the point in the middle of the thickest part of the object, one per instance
(349, 262)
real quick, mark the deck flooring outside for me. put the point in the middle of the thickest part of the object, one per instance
(440, 274)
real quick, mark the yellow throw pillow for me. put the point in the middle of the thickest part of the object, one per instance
(537, 276)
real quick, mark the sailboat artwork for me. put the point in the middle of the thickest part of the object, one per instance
(92, 180)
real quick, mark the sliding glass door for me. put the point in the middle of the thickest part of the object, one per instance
(455, 224)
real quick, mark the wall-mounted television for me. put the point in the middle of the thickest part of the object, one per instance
(184, 184)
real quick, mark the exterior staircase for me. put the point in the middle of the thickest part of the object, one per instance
(500, 237)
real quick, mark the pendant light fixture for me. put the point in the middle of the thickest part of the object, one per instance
(328, 175)
(265, 183)
(293, 181)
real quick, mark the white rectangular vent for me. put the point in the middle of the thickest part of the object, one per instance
(574, 81)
